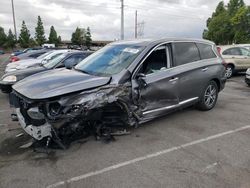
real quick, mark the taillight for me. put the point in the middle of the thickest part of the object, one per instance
(14, 59)
(219, 49)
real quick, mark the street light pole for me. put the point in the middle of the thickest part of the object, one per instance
(136, 24)
(122, 19)
(14, 20)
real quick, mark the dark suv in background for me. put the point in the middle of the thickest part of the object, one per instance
(124, 84)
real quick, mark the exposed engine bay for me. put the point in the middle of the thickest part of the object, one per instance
(101, 112)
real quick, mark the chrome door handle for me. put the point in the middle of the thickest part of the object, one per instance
(204, 69)
(174, 79)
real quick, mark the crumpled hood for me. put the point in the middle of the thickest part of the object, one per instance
(57, 82)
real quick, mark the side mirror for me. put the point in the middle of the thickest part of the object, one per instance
(69, 65)
(140, 76)
(44, 61)
(141, 79)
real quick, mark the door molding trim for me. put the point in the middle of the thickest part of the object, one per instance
(171, 106)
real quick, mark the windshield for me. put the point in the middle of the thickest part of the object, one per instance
(109, 60)
(44, 55)
(55, 61)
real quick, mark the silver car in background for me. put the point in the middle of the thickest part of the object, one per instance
(236, 57)
(26, 63)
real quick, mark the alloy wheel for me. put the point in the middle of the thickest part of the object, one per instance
(229, 72)
(210, 95)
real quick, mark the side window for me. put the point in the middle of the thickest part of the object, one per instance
(54, 56)
(156, 61)
(245, 52)
(206, 51)
(185, 52)
(232, 51)
(73, 60)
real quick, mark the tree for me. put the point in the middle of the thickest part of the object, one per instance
(59, 40)
(53, 36)
(88, 38)
(219, 9)
(10, 41)
(78, 37)
(2, 36)
(24, 37)
(32, 42)
(39, 35)
(229, 24)
(241, 23)
(219, 26)
(234, 6)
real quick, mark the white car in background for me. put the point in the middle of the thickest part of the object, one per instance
(23, 64)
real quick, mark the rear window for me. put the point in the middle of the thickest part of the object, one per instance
(206, 51)
(185, 52)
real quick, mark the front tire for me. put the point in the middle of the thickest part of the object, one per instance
(209, 97)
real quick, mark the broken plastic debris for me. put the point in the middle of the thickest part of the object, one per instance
(26, 145)
(19, 135)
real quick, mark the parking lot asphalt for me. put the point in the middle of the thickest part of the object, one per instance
(188, 148)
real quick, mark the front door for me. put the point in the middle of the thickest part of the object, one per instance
(155, 86)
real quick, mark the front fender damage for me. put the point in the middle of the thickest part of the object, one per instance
(100, 112)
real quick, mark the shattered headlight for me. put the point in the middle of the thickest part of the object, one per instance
(35, 113)
(54, 108)
(11, 78)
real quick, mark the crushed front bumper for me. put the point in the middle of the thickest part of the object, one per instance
(37, 132)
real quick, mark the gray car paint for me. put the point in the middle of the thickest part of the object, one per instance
(57, 82)
(142, 102)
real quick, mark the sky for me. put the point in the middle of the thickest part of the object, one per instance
(161, 18)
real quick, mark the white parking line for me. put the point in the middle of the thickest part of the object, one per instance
(149, 156)
(2, 111)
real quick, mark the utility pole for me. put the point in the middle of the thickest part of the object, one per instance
(140, 28)
(122, 19)
(14, 20)
(136, 24)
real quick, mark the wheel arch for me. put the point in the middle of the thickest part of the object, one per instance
(231, 64)
(217, 81)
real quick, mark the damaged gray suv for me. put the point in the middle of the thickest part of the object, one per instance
(122, 85)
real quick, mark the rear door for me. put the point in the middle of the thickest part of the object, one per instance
(194, 71)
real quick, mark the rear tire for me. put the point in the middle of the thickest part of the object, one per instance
(209, 97)
(229, 71)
